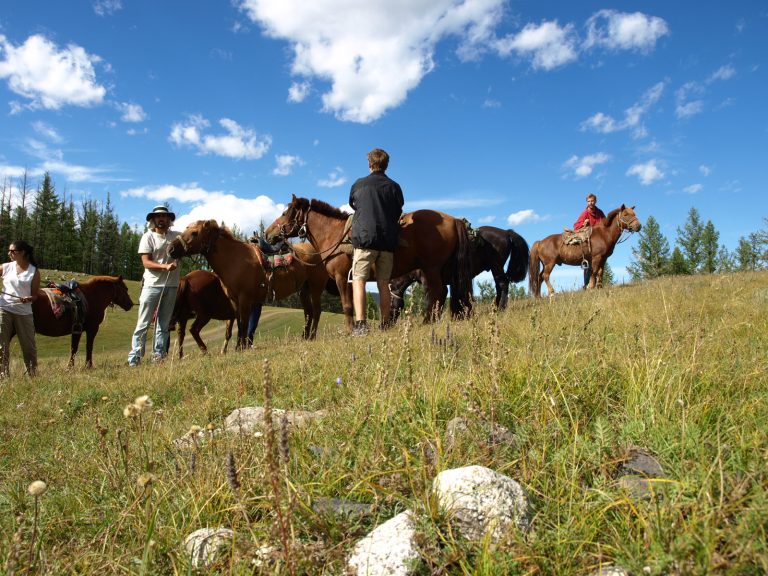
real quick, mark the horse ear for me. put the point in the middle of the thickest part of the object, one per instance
(633, 207)
(120, 278)
(622, 207)
(293, 198)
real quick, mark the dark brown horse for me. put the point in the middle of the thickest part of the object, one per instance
(490, 247)
(429, 240)
(98, 292)
(553, 250)
(201, 296)
(241, 267)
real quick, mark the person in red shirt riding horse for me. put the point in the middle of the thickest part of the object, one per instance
(589, 217)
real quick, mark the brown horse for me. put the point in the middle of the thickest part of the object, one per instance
(490, 248)
(240, 266)
(201, 295)
(98, 292)
(552, 250)
(429, 240)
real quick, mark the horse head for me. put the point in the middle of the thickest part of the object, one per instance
(121, 297)
(290, 223)
(197, 238)
(628, 219)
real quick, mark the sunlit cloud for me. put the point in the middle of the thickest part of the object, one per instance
(298, 91)
(647, 173)
(525, 217)
(633, 116)
(335, 179)
(584, 165)
(693, 189)
(285, 163)
(47, 131)
(238, 142)
(625, 31)
(50, 77)
(548, 45)
(131, 112)
(107, 7)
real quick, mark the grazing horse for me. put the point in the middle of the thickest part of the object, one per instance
(201, 295)
(553, 250)
(429, 240)
(98, 293)
(241, 267)
(490, 249)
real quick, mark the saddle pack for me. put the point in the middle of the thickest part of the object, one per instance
(577, 236)
(67, 298)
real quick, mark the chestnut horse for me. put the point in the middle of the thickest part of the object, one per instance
(201, 295)
(490, 248)
(429, 240)
(240, 266)
(552, 250)
(98, 293)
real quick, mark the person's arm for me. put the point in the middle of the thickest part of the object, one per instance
(580, 221)
(149, 264)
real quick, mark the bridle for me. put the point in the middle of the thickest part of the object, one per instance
(298, 226)
(624, 226)
(205, 247)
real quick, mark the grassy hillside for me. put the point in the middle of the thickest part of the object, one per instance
(676, 367)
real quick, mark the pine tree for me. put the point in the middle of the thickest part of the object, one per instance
(651, 254)
(88, 226)
(609, 279)
(107, 240)
(726, 260)
(709, 248)
(748, 254)
(690, 241)
(677, 263)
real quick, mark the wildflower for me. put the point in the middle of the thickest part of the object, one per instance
(131, 411)
(338, 381)
(210, 427)
(37, 488)
(194, 429)
(143, 403)
(104, 398)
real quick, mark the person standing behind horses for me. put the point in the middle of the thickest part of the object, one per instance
(589, 217)
(21, 282)
(378, 202)
(159, 284)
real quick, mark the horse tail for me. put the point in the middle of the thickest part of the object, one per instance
(180, 306)
(461, 279)
(518, 257)
(534, 277)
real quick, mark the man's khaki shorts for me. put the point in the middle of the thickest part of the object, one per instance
(362, 259)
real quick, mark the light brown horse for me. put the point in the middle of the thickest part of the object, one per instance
(98, 292)
(429, 240)
(241, 267)
(552, 250)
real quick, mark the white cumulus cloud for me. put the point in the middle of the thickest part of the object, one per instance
(548, 44)
(633, 116)
(237, 142)
(335, 179)
(284, 163)
(131, 112)
(522, 216)
(584, 165)
(647, 173)
(244, 213)
(371, 54)
(625, 31)
(49, 76)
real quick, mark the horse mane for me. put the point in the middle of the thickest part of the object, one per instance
(328, 210)
(95, 279)
(611, 216)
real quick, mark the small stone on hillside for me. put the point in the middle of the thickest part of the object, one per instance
(641, 462)
(251, 418)
(389, 550)
(205, 545)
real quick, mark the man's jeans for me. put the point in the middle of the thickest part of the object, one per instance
(153, 298)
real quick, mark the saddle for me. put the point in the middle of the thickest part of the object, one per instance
(67, 298)
(346, 243)
(276, 255)
(577, 236)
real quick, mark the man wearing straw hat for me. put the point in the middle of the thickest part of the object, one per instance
(159, 284)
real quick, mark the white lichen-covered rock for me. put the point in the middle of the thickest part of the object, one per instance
(251, 418)
(480, 501)
(389, 550)
(204, 545)
(610, 571)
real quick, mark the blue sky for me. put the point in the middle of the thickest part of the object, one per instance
(507, 113)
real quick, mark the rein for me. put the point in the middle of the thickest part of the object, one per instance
(624, 227)
(303, 233)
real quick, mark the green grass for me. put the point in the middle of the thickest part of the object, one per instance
(677, 366)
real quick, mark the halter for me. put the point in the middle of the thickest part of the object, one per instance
(299, 223)
(205, 247)
(624, 227)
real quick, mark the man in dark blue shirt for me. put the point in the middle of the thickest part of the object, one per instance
(378, 202)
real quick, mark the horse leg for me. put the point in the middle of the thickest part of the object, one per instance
(227, 335)
(345, 293)
(502, 288)
(306, 304)
(74, 345)
(436, 293)
(545, 276)
(90, 336)
(194, 330)
(315, 301)
(181, 330)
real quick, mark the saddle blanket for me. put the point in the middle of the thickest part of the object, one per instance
(279, 260)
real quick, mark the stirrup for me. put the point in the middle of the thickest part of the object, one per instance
(584, 264)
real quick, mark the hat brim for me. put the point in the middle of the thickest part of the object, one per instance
(151, 215)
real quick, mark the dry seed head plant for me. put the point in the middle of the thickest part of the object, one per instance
(563, 395)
